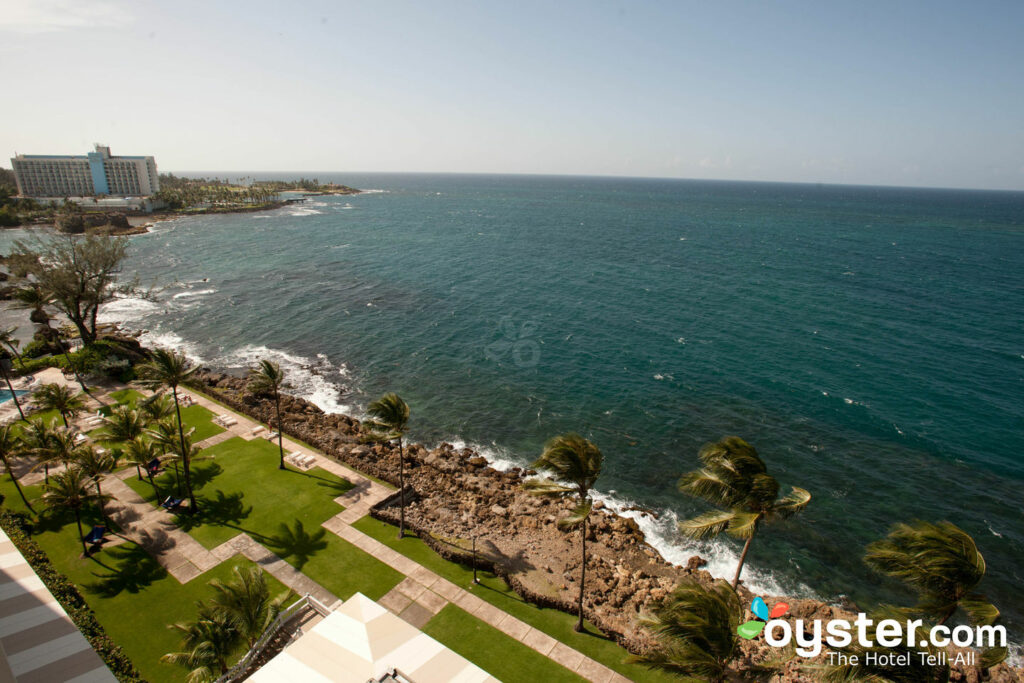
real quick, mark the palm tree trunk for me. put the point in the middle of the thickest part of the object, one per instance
(46, 473)
(65, 418)
(14, 350)
(156, 491)
(177, 479)
(81, 534)
(401, 489)
(138, 471)
(743, 558)
(14, 480)
(280, 428)
(14, 397)
(583, 578)
(193, 506)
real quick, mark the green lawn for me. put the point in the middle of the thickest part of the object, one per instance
(240, 489)
(492, 650)
(126, 396)
(201, 419)
(132, 595)
(493, 589)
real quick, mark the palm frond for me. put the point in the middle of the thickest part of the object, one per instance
(793, 504)
(708, 525)
(576, 517)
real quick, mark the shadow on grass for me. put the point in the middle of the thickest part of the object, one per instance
(204, 474)
(133, 570)
(337, 486)
(296, 543)
(221, 510)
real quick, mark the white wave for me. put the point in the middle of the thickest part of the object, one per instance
(662, 533)
(304, 212)
(373, 191)
(307, 378)
(126, 309)
(171, 340)
(198, 292)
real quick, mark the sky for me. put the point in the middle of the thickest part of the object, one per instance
(878, 93)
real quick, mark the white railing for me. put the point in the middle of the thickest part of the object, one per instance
(283, 618)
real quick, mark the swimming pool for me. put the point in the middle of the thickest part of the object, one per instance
(5, 394)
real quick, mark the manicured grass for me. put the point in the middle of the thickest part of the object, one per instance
(493, 589)
(240, 489)
(126, 396)
(132, 595)
(492, 650)
(344, 569)
(201, 419)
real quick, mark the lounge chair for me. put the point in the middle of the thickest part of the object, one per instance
(272, 435)
(172, 503)
(95, 537)
(153, 467)
(256, 430)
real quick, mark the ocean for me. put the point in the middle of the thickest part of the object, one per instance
(867, 341)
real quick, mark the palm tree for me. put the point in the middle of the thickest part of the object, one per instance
(171, 369)
(67, 491)
(33, 297)
(8, 339)
(175, 445)
(60, 398)
(576, 461)
(124, 424)
(95, 464)
(247, 603)
(695, 630)
(140, 451)
(206, 645)
(5, 363)
(58, 448)
(157, 407)
(36, 438)
(941, 563)
(269, 378)
(390, 418)
(11, 447)
(735, 478)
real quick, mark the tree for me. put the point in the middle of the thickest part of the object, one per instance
(247, 602)
(124, 424)
(5, 364)
(171, 369)
(60, 398)
(571, 459)
(81, 274)
(140, 451)
(8, 339)
(206, 644)
(95, 464)
(157, 407)
(695, 630)
(942, 564)
(35, 439)
(11, 447)
(269, 378)
(390, 418)
(67, 491)
(175, 445)
(59, 447)
(36, 298)
(734, 477)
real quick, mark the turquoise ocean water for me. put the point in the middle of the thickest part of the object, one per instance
(868, 341)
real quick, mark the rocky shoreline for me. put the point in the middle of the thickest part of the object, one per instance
(456, 495)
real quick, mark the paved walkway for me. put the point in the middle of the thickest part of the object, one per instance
(417, 598)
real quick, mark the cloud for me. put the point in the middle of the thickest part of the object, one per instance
(45, 16)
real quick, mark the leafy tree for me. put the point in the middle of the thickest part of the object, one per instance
(67, 491)
(157, 407)
(175, 445)
(734, 477)
(140, 451)
(390, 420)
(12, 447)
(171, 369)
(36, 298)
(60, 398)
(58, 447)
(571, 459)
(695, 631)
(35, 440)
(942, 564)
(268, 378)
(247, 603)
(206, 644)
(81, 274)
(95, 464)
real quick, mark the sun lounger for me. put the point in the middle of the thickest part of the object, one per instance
(96, 535)
(172, 503)
(225, 420)
(153, 467)
(256, 430)
(272, 435)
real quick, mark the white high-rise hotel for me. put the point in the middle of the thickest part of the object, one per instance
(96, 173)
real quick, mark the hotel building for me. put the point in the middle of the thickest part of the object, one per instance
(96, 173)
